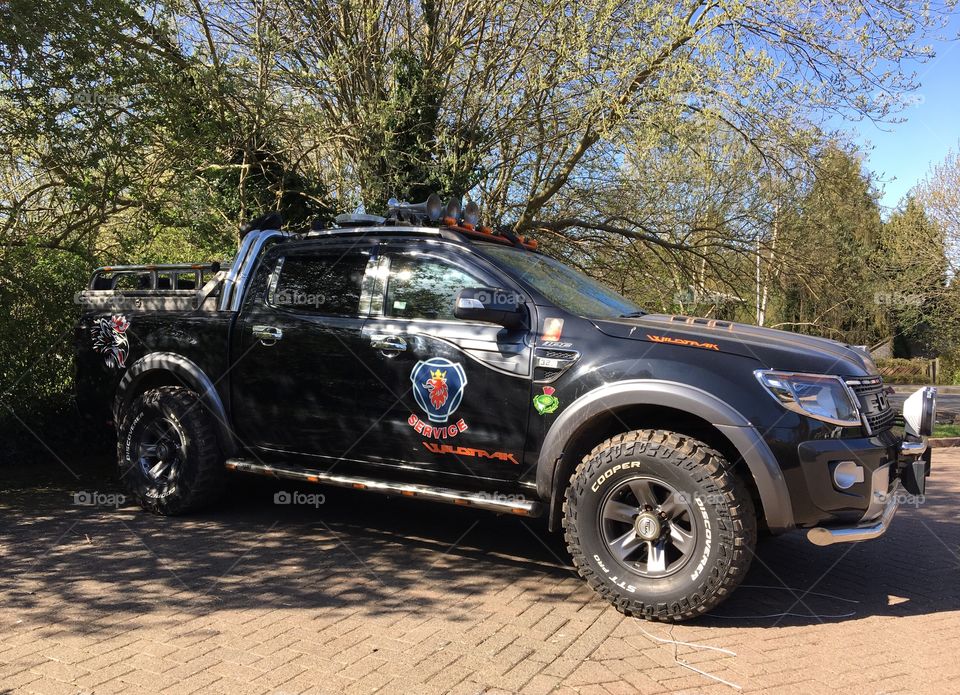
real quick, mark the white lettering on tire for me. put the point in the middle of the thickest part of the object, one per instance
(613, 579)
(610, 471)
(708, 536)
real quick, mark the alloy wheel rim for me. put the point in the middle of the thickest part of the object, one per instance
(161, 451)
(648, 526)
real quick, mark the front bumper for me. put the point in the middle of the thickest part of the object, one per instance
(912, 469)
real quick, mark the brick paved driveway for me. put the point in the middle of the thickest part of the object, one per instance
(366, 594)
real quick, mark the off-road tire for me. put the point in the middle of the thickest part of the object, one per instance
(713, 571)
(197, 478)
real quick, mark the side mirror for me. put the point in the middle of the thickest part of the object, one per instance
(491, 305)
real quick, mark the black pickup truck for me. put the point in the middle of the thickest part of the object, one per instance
(423, 355)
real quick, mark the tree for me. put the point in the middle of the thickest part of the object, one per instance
(939, 194)
(834, 235)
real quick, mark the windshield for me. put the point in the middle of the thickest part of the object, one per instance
(567, 288)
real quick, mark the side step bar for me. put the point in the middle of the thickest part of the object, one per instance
(480, 500)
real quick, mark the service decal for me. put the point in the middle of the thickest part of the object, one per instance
(438, 386)
(110, 340)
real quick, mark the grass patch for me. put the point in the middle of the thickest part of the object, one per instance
(946, 430)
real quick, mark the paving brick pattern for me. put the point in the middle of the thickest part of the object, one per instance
(364, 594)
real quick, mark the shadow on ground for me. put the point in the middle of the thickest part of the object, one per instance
(380, 555)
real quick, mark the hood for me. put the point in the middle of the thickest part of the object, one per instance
(774, 349)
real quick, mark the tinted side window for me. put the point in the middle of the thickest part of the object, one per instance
(420, 287)
(327, 284)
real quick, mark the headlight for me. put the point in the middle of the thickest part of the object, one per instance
(818, 396)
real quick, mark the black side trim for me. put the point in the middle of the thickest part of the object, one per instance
(187, 373)
(735, 427)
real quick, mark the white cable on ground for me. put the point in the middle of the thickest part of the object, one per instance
(676, 644)
(792, 590)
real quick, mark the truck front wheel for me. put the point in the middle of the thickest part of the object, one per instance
(168, 453)
(659, 524)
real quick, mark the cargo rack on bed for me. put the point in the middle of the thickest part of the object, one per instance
(155, 287)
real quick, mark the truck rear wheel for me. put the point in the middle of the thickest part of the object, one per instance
(659, 525)
(168, 453)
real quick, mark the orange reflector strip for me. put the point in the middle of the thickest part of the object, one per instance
(407, 493)
(521, 512)
(313, 479)
(360, 486)
(463, 502)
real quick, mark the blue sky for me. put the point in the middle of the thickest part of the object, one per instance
(902, 153)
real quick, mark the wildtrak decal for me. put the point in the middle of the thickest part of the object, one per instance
(110, 340)
(682, 341)
(435, 448)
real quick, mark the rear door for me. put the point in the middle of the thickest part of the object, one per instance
(298, 374)
(451, 397)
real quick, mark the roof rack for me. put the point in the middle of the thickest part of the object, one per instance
(452, 232)
(379, 230)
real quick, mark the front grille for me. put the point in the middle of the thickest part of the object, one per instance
(874, 402)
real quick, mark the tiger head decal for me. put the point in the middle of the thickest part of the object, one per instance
(110, 340)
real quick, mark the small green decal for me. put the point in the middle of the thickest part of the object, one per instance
(546, 402)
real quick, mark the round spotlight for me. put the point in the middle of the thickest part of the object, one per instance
(471, 213)
(454, 209)
(919, 412)
(434, 207)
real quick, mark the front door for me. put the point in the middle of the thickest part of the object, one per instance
(452, 397)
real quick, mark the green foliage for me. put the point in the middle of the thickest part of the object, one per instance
(946, 430)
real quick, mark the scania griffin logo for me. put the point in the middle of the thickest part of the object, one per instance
(438, 386)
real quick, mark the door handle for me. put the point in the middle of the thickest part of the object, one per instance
(388, 342)
(267, 335)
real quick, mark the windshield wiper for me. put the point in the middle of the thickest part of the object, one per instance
(634, 314)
